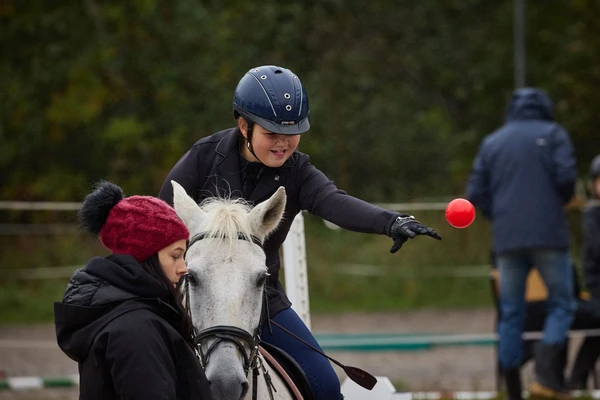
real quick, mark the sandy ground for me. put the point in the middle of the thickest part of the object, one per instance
(443, 368)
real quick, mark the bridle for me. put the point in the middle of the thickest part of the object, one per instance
(227, 333)
(240, 338)
(230, 334)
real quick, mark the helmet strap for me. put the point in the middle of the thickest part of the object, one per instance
(249, 140)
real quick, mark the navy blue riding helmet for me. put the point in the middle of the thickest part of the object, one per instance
(274, 98)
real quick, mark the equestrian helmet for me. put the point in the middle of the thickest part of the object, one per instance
(274, 98)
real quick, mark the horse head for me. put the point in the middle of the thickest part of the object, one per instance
(226, 281)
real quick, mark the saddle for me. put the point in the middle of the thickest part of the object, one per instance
(286, 365)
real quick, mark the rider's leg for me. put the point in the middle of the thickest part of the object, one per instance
(322, 378)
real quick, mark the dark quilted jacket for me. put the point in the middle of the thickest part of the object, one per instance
(117, 322)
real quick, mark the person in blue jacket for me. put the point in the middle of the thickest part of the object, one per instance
(251, 161)
(522, 177)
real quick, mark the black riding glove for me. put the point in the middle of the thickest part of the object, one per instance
(407, 227)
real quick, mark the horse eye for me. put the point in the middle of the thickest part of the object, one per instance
(261, 280)
(191, 279)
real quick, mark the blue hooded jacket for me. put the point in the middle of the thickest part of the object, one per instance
(524, 174)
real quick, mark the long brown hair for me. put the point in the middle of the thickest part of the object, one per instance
(153, 267)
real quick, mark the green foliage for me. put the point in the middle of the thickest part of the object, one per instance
(406, 280)
(400, 96)
(30, 302)
(350, 271)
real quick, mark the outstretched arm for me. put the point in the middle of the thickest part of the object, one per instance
(320, 196)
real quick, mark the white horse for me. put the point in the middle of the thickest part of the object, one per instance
(225, 288)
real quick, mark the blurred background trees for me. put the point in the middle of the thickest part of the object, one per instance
(401, 92)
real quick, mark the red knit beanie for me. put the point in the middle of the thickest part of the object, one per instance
(138, 225)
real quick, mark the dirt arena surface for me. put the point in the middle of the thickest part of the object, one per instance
(442, 368)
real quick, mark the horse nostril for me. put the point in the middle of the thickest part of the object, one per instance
(245, 386)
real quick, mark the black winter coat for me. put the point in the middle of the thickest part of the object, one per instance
(591, 247)
(117, 322)
(212, 168)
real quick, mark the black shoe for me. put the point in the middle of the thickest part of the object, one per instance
(577, 384)
(584, 363)
(512, 377)
(550, 362)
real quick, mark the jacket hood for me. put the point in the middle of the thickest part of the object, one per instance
(105, 289)
(529, 104)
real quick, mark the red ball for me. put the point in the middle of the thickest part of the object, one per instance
(460, 213)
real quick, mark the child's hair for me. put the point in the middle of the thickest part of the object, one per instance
(153, 267)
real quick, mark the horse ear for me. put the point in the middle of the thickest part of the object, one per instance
(184, 205)
(266, 216)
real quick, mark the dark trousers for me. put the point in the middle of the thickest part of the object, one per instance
(587, 316)
(555, 268)
(323, 380)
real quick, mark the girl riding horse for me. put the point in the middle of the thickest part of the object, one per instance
(256, 157)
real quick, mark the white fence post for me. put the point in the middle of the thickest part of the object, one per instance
(294, 267)
(383, 390)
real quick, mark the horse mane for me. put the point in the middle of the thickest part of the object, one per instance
(227, 219)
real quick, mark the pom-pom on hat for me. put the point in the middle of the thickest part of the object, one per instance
(138, 225)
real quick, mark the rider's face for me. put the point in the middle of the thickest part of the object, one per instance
(272, 149)
(172, 262)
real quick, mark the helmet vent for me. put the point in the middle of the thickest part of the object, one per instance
(288, 107)
(263, 77)
(287, 95)
(278, 71)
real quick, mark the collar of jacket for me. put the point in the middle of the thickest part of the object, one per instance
(228, 167)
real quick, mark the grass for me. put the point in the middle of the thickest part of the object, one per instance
(31, 300)
(347, 271)
(422, 274)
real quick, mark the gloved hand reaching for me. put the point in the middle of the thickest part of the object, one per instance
(407, 227)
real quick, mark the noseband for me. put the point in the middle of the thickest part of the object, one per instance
(225, 333)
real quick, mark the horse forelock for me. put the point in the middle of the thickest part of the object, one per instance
(227, 219)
